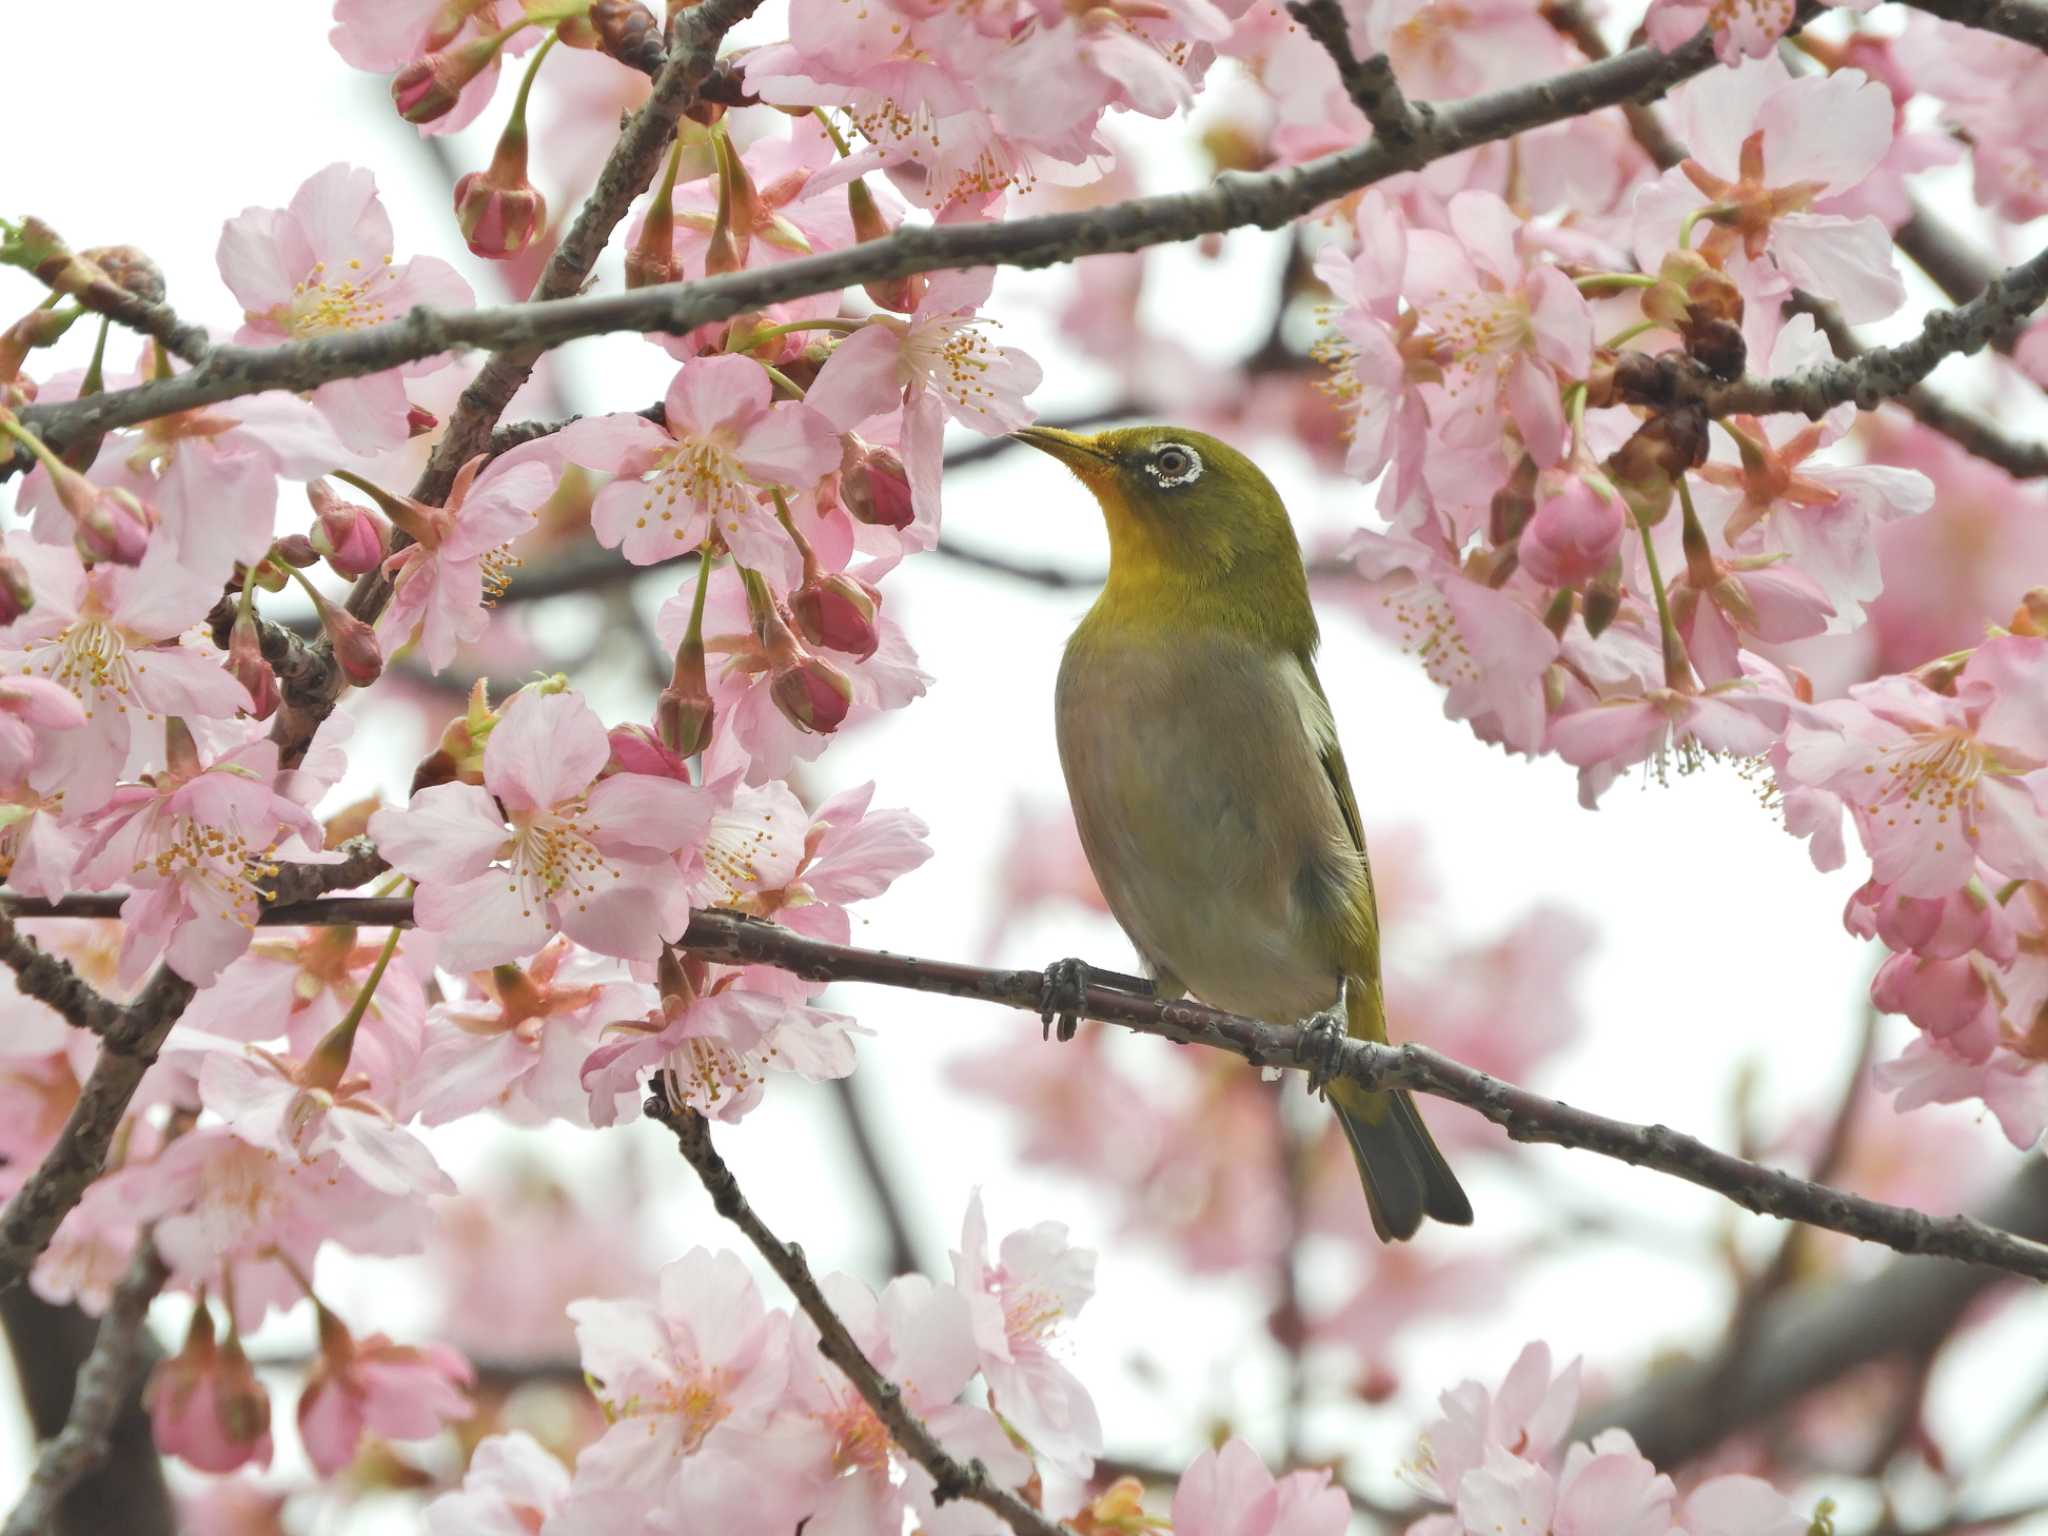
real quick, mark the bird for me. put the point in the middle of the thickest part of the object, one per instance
(1207, 783)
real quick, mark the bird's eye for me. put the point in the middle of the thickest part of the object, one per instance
(1174, 464)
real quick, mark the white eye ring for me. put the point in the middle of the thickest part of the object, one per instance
(1167, 480)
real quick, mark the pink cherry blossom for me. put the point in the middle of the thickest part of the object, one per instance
(1229, 1492)
(1018, 1303)
(1607, 1489)
(1733, 720)
(28, 707)
(1936, 782)
(706, 468)
(1764, 148)
(460, 561)
(324, 265)
(371, 1384)
(1735, 1505)
(223, 1207)
(512, 1487)
(1574, 533)
(194, 847)
(114, 636)
(937, 365)
(1513, 325)
(920, 1336)
(1527, 1418)
(1745, 29)
(1485, 647)
(2013, 1086)
(281, 1107)
(518, 1043)
(544, 845)
(694, 1384)
(715, 1045)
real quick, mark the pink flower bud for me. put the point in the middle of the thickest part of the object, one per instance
(869, 223)
(498, 209)
(245, 661)
(356, 650)
(1574, 533)
(419, 421)
(108, 523)
(837, 611)
(296, 551)
(353, 538)
(812, 694)
(428, 87)
(684, 715)
(875, 487)
(206, 1405)
(637, 749)
(17, 595)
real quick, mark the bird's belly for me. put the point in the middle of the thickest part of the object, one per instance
(1197, 842)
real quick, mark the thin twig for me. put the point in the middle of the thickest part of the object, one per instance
(902, 1256)
(1524, 1115)
(1232, 200)
(105, 1383)
(1370, 83)
(79, 1155)
(49, 979)
(951, 1479)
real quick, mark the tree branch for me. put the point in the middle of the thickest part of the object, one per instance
(1369, 83)
(49, 979)
(105, 1384)
(2024, 21)
(1234, 199)
(902, 1251)
(1885, 373)
(1524, 1115)
(79, 1155)
(951, 1479)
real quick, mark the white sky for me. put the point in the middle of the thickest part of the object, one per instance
(1718, 946)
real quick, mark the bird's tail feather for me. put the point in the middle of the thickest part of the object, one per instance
(1405, 1176)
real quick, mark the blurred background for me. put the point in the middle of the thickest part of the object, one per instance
(1672, 957)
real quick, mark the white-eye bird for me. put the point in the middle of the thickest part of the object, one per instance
(1206, 778)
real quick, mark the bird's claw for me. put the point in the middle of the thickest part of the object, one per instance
(1062, 996)
(1322, 1049)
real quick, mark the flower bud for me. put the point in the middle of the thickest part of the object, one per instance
(296, 551)
(837, 611)
(206, 1405)
(17, 593)
(1718, 347)
(108, 523)
(812, 694)
(419, 421)
(356, 650)
(428, 87)
(245, 661)
(898, 293)
(637, 749)
(352, 539)
(1602, 601)
(628, 32)
(130, 268)
(499, 210)
(1512, 505)
(874, 486)
(1575, 532)
(684, 715)
(2029, 618)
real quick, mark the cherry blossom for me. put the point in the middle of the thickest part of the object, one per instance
(371, 1384)
(694, 1381)
(567, 852)
(1018, 1303)
(459, 561)
(195, 847)
(1229, 1492)
(206, 1406)
(1528, 1417)
(512, 1487)
(113, 636)
(707, 467)
(324, 265)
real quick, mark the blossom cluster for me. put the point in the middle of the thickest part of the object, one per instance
(1592, 568)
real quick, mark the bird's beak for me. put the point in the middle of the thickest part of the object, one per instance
(1073, 449)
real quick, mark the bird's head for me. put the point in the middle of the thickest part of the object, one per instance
(1179, 504)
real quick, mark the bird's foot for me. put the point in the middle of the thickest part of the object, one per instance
(1322, 1048)
(1062, 996)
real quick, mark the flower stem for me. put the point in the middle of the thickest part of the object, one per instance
(95, 379)
(518, 117)
(1623, 337)
(747, 343)
(784, 382)
(1677, 667)
(1595, 281)
(34, 444)
(831, 131)
(330, 1057)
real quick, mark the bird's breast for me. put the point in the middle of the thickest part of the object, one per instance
(1206, 813)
